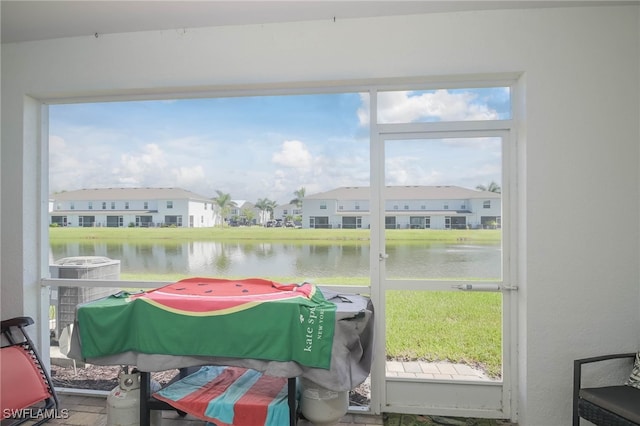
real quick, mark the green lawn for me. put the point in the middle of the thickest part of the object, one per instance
(432, 326)
(460, 327)
(259, 233)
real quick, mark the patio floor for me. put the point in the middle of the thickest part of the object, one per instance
(82, 410)
(92, 410)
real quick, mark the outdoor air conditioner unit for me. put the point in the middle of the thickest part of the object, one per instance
(64, 299)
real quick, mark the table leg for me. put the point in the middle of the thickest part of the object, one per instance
(292, 392)
(145, 393)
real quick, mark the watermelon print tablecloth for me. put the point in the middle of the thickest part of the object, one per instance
(252, 318)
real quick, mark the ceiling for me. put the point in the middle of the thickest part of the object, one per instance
(28, 20)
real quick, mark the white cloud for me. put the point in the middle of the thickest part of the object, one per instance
(151, 157)
(439, 105)
(260, 162)
(70, 171)
(155, 165)
(148, 167)
(130, 181)
(56, 143)
(363, 112)
(298, 166)
(459, 161)
(409, 170)
(293, 154)
(188, 177)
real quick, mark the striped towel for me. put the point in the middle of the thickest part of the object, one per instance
(230, 396)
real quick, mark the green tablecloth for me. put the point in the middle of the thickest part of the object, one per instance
(251, 318)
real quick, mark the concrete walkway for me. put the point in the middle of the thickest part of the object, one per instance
(435, 370)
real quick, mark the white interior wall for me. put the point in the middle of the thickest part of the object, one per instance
(577, 168)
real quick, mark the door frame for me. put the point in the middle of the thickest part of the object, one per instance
(415, 396)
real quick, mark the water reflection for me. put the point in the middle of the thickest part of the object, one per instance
(348, 259)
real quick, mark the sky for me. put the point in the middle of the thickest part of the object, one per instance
(268, 146)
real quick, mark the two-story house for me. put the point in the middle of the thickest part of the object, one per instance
(244, 212)
(140, 207)
(287, 212)
(406, 207)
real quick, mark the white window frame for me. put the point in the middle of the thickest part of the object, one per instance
(47, 283)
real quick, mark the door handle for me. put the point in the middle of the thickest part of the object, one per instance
(484, 287)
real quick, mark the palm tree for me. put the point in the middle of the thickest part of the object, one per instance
(493, 187)
(271, 206)
(266, 207)
(248, 215)
(224, 203)
(299, 194)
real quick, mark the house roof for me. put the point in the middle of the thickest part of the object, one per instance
(413, 192)
(243, 204)
(101, 212)
(287, 206)
(109, 194)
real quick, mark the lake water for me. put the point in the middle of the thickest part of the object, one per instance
(307, 261)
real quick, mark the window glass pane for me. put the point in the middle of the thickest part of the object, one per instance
(445, 335)
(492, 103)
(248, 162)
(446, 229)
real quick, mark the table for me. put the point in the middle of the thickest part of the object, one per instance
(341, 365)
